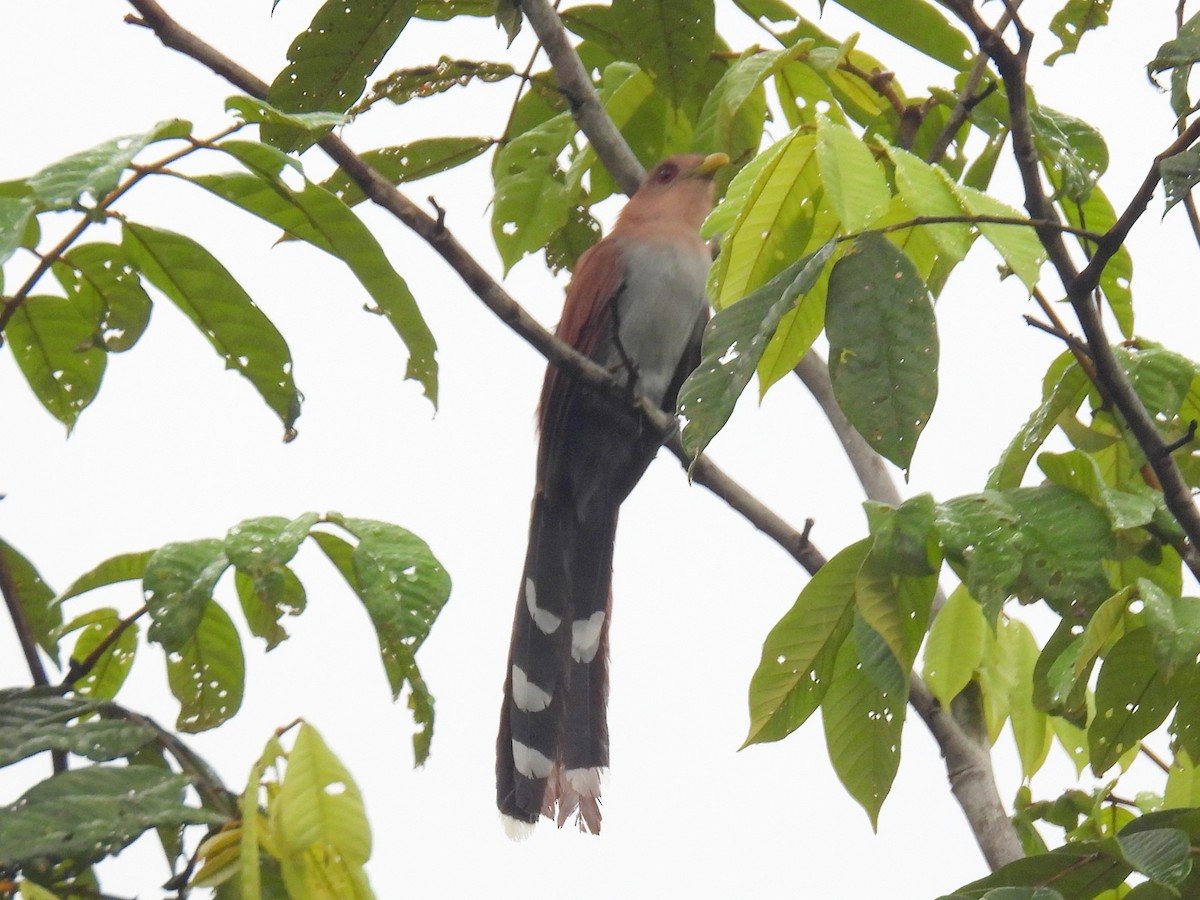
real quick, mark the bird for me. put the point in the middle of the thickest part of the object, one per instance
(636, 305)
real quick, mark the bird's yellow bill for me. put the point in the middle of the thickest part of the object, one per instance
(711, 163)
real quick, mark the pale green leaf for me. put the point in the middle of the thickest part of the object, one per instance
(857, 188)
(955, 646)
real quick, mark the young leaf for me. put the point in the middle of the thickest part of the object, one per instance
(734, 341)
(207, 294)
(1030, 727)
(207, 672)
(52, 344)
(858, 190)
(1132, 699)
(33, 596)
(314, 215)
(799, 653)
(78, 817)
(259, 112)
(106, 676)
(883, 346)
(862, 731)
(95, 173)
(1063, 390)
(330, 61)
(1018, 245)
(955, 647)
(926, 190)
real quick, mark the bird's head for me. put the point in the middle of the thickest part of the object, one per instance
(676, 195)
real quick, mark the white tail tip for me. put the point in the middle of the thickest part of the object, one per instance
(515, 829)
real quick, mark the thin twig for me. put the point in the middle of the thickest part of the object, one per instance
(79, 670)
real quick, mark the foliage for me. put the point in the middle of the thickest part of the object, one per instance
(847, 226)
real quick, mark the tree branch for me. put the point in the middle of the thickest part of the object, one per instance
(1079, 285)
(588, 111)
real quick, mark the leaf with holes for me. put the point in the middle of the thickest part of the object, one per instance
(52, 344)
(1133, 698)
(669, 39)
(425, 81)
(1174, 624)
(863, 725)
(314, 215)
(320, 823)
(1075, 20)
(408, 162)
(178, 583)
(103, 280)
(207, 672)
(883, 346)
(78, 817)
(1180, 173)
(260, 549)
(733, 345)
(220, 308)
(99, 740)
(799, 653)
(111, 668)
(403, 587)
(329, 62)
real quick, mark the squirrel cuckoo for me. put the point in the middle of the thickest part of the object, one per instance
(636, 305)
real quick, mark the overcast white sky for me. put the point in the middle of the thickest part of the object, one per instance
(175, 448)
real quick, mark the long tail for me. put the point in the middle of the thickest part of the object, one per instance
(553, 740)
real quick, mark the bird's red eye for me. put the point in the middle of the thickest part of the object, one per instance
(666, 173)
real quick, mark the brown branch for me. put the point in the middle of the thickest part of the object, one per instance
(1079, 285)
(576, 86)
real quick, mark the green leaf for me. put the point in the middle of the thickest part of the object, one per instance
(15, 215)
(99, 740)
(883, 346)
(1018, 245)
(532, 201)
(673, 40)
(80, 816)
(857, 188)
(799, 653)
(207, 672)
(267, 588)
(1132, 699)
(1105, 625)
(408, 162)
(920, 25)
(1030, 727)
(1072, 151)
(1183, 785)
(107, 282)
(178, 584)
(206, 293)
(330, 61)
(1080, 472)
(955, 646)
(1037, 543)
(1060, 675)
(1162, 854)
(1063, 390)
(862, 731)
(319, 805)
(254, 111)
(424, 81)
(734, 341)
(33, 596)
(1096, 214)
(1180, 173)
(1075, 20)
(115, 569)
(731, 119)
(52, 344)
(403, 587)
(895, 607)
(926, 189)
(1075, 871)
(1174, 624)
(112, 667)
(904, 536)
(776, 218)
(93, 174)
(314, 215)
